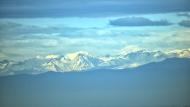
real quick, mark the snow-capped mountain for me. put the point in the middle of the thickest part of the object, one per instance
(180, 53)
(72, 62)
(4, 64)
(140, 57)
(81, 61)
(30, 66)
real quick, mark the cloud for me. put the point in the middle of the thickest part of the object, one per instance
(8, 25)
(184, 23)
(12, 29)
(129, 49)
(184, 15)
(138, 21)
(41, 40)
(87, 8)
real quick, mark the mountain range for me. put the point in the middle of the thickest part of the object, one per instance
(82, 61)
(156, 84)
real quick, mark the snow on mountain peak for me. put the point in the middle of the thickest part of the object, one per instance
(128, 49)
(72, 56)
(82, 60)
(51, 56)
(179, 52)
(72, 62)
(4, 64)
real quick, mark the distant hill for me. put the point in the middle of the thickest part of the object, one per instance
(158, 84)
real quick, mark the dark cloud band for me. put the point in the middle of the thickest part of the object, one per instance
(187, 15)
(138, 21)
(184, 23)
(87, 8)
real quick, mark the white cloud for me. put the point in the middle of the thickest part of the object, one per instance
(30, 40)
(50, 42)
(130, 48)
(3, 56)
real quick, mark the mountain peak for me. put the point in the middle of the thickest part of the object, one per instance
(130, 49)
(51, 56)
(72, 56)
(180, 52)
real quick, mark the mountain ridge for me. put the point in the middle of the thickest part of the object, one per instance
(159, 65)
(82, 61)
(150, 85)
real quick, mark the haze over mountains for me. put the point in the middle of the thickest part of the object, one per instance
(82, 61)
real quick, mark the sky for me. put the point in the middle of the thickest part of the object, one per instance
(31, 28)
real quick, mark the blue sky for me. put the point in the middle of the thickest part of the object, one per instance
(101, 27)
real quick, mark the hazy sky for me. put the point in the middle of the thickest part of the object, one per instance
(29, 28)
